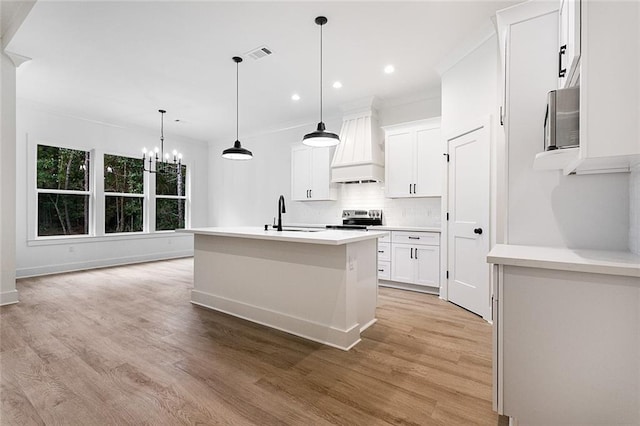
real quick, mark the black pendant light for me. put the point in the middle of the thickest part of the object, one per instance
(320, 137)
(237, 152)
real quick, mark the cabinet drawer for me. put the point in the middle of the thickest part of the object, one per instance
(416, 238)
(384, 270)
(384, 251)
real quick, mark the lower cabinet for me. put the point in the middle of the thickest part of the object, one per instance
(410, 258)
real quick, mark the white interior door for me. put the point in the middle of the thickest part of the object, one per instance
(468, 207)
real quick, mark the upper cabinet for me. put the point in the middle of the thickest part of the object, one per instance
(602, 56)
(311, 174)
(568, 43)
(414, 159)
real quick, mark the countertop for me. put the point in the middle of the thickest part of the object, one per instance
(405, 228)
(324, 236)
(622, 263)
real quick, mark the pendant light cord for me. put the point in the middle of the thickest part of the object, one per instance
(321, 73)
(237, 98)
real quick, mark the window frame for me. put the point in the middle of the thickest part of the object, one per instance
(96, 225)
(186, 197)
(37, 191)
(106, 194)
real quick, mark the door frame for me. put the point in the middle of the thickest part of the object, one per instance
(489, 123)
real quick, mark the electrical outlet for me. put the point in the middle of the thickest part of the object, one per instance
(72, 249)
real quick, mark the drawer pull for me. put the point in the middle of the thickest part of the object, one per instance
(414, 238)
(380, 270)
(380, 251)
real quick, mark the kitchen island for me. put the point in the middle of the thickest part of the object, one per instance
(318, 284)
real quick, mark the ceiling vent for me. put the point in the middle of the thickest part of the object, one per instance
(259, 53)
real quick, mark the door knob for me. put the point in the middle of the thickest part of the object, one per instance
(478, 231)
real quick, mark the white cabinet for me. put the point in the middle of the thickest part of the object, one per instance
(606, 53)
(415, 258)
(569, 43)
(384, 257)
(311, 174)
(414, 159)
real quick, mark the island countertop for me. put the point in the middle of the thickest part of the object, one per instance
(325, 236)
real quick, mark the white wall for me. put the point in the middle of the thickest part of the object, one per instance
(634, 210)
(8, 293)
(546, 208)
(245, 193)
(37, 124)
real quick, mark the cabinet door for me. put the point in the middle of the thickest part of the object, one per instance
(429, 163)
(427, 259)
(300, 173)
(569, 43)
(399, 164)
(402, 263)
(320, 174)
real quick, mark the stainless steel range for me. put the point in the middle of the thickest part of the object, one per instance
(358, 219)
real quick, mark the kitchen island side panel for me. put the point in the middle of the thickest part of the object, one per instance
(310, 290)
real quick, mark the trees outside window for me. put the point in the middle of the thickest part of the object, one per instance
(63, 191)
(171, 199)
(124, 194)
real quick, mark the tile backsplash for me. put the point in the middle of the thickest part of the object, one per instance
(396, 211)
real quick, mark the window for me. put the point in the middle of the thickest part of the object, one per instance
(124, 194)
(63, 191)
(171, 199)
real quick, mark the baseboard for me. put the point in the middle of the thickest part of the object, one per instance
(8, 297)
(410, 287)
(99, 263)
(321, 333)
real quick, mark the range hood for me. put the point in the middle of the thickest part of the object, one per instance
(360, 155)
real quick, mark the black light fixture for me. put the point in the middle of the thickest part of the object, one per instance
(320, 137)
(237, 152)
(163, 163)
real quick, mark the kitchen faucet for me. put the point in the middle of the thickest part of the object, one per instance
(281, 210)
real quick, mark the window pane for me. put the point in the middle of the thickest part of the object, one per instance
(169, 214)
(123, 174)
(62, 168)
(170, 183)
(122, 214)
(62, 214)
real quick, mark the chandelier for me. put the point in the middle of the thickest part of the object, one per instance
(158, 161)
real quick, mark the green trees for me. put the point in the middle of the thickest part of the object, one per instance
(63, 191)
(123, 175)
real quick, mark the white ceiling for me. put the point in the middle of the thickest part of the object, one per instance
(119, 62)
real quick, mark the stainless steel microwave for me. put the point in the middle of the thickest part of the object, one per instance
(562, 120)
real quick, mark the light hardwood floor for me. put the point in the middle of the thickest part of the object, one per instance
(124, 345)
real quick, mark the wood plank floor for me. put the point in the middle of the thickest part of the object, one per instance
(124, 345)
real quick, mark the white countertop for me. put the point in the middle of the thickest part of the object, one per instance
(325, 236)
(405, 228)
(592, 261)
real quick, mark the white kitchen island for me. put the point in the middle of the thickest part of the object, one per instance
(320, 285)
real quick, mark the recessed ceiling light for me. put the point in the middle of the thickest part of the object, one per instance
(389, 69)
(337, 85)
(295, 97)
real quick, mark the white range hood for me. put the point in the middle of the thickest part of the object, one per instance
(359, 157)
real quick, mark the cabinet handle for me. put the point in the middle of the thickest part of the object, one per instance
(561, 71)
(414, 238)
(310, 193)
(380, 251)
(416, 256)
(380, 270)
(409, 188)
(414, 188)
(412, 252)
